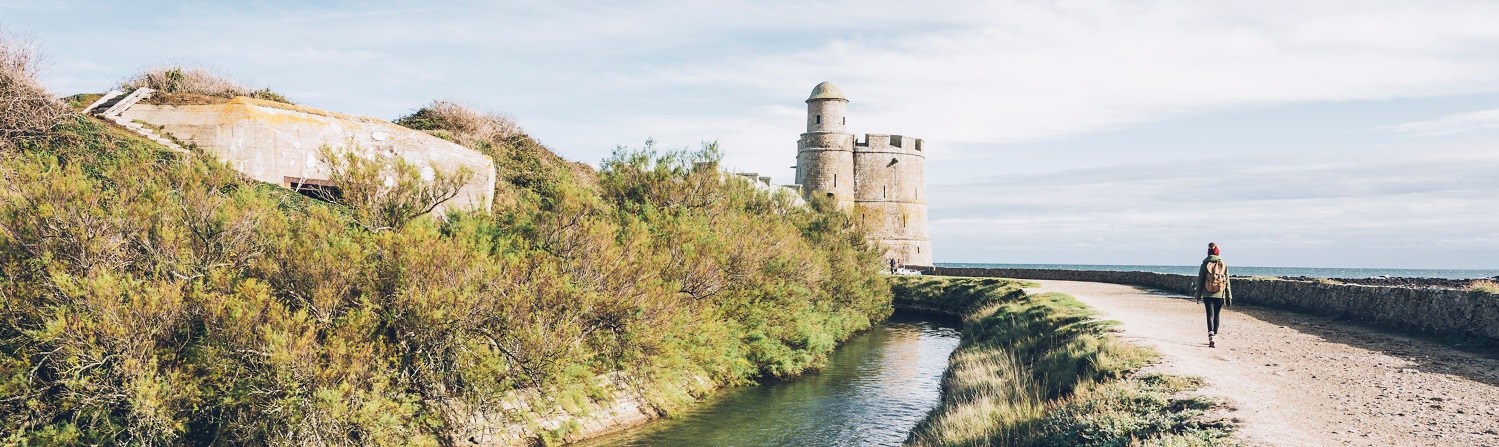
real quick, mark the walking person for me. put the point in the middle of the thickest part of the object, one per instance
(1213, 289)
(892, 266)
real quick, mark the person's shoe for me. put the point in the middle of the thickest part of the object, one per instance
(1210, 341)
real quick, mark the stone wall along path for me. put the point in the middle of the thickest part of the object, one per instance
(1299, 380)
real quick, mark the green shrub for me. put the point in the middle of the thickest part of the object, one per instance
(151, 298)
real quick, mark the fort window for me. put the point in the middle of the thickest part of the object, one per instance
(318, 189)
(883, 194)
(918, 144)
(819, 119)
(845, 120)
(895, 140)
(835, 180)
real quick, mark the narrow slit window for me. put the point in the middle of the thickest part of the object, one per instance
(883, 193)
(835, 180)
(819, 119)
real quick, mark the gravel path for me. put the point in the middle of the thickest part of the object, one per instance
(1299, 380)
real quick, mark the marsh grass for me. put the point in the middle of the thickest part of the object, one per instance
(1039, 369)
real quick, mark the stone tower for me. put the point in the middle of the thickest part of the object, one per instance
(879, 180)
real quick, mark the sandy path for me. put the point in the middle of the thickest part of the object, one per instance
(1297, 380)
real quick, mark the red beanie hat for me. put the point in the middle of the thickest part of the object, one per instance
(1213, 248)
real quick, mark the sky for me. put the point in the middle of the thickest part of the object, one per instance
(1335, 133)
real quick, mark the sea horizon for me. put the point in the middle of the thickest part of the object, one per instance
(1314, 272)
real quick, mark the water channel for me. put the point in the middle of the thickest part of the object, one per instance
(876, 387)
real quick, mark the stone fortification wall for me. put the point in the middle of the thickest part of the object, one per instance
(826, 141)
(827, 171)
(889, 176)
(278, 143)
(888, 173)
(892, 220)
(878, 142)
(1430, 311)
(825, 165)
(901, 227)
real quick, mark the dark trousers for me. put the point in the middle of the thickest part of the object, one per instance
(1213, 305)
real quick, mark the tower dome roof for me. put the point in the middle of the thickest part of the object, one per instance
(827, 90)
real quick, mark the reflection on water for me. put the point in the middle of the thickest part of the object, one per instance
(876, 387)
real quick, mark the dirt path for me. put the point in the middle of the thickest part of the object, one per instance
(1297, 380)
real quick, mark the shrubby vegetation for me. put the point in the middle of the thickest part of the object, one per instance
(1484, 286)
(1039, 370)
(463, 125)
(196, 80)
(26, 108)
(153, 299)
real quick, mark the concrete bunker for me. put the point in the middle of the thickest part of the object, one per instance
(279, 143)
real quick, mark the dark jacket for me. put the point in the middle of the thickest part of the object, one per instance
(1202, 278)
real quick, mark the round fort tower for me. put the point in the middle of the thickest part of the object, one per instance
(825, 154)
(889, 200)
(880, 180)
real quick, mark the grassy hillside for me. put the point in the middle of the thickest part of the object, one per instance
(149, 298)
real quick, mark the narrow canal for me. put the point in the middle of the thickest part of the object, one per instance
(876, 387)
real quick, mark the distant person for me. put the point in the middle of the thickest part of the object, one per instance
(892, 266)
(1213, 290)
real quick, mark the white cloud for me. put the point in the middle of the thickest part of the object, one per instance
(1353, 207)
(1452, 124)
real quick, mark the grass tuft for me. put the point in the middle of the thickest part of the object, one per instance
(198, 81)
(462, 124)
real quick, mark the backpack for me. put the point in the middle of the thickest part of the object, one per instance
(1217, 277)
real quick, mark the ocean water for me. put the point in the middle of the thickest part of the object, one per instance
(1314, 272)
